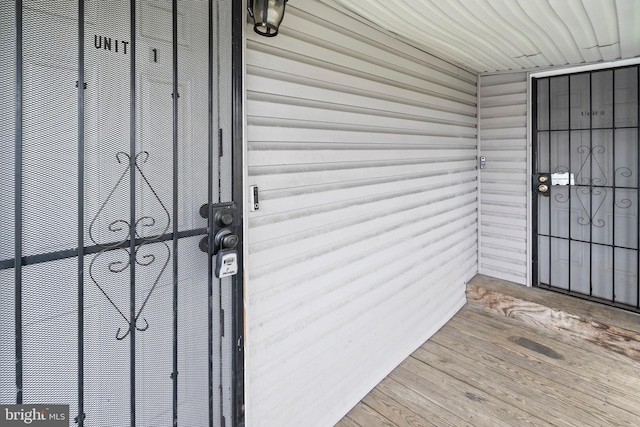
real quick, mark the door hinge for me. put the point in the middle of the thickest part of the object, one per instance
(222, 322)
(239, 343)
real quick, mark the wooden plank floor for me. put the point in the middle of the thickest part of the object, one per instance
(482, 369)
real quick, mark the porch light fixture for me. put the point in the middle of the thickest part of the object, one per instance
(267, 16)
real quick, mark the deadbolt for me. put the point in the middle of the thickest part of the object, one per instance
(224, 217)
(543, 178)
(543, 188)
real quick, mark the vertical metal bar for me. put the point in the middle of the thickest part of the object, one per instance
(237, 367)
(569, 186)
(220, 311)
(479, 174)
(638, 190)
(175, 210)
(210, 219)
(17, 256)
(534, 195)
(613, 169)
(80, 416)
(132, 214)
(549, 170)
(591, 184)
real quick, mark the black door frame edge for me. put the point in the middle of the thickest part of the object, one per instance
(237, 67)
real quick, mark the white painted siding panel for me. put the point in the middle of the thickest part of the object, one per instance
(364, 151)
(503, 186)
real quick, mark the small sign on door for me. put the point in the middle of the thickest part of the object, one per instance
(562, 179)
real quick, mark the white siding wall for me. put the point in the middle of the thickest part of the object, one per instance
(364, 151)
(503, 184)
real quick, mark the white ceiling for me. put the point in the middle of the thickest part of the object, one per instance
(498, 35)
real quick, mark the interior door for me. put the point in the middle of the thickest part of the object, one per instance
(585, 185)
(120, 132)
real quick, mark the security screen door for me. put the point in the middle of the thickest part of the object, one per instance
(585, 183)
(116, 129)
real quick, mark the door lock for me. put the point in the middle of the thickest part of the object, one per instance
(541, 183)
(225, 239)
(222, 240)
(223, 217)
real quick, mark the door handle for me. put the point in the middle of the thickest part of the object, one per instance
(541, 184)
(225, 239)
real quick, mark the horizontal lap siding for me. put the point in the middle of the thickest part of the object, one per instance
(503, 200)
(364, 152)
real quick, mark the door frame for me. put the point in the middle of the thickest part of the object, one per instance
(531, 216)
(238, 19)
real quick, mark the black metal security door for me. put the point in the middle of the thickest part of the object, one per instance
(118, 122)
(586, 194)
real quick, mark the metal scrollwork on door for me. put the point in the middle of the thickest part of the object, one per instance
(592, 190)
(120, 258)
(597, 174)
(585, 196)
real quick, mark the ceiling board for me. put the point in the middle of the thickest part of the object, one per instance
(501, 35)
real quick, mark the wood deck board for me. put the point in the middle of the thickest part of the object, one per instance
(394, 411)
(482, 369)
(549, 399)
(595, 384)
(500, 327)
(610, 328)
(419, 404)
(474, 405)
(509, 389)
(365, 416)
(347, 422)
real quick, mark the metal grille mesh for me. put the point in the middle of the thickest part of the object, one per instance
(107, 108)
(50, 170)
(194, 127)
(154, 199)
(193, 111)
(7, 126)
(154, 357)
(225, 104)
(106, 376)
(50, 333)
(50, 174)
(7, 343)
(193, 338)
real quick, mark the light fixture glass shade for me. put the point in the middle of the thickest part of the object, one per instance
(267, 16)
